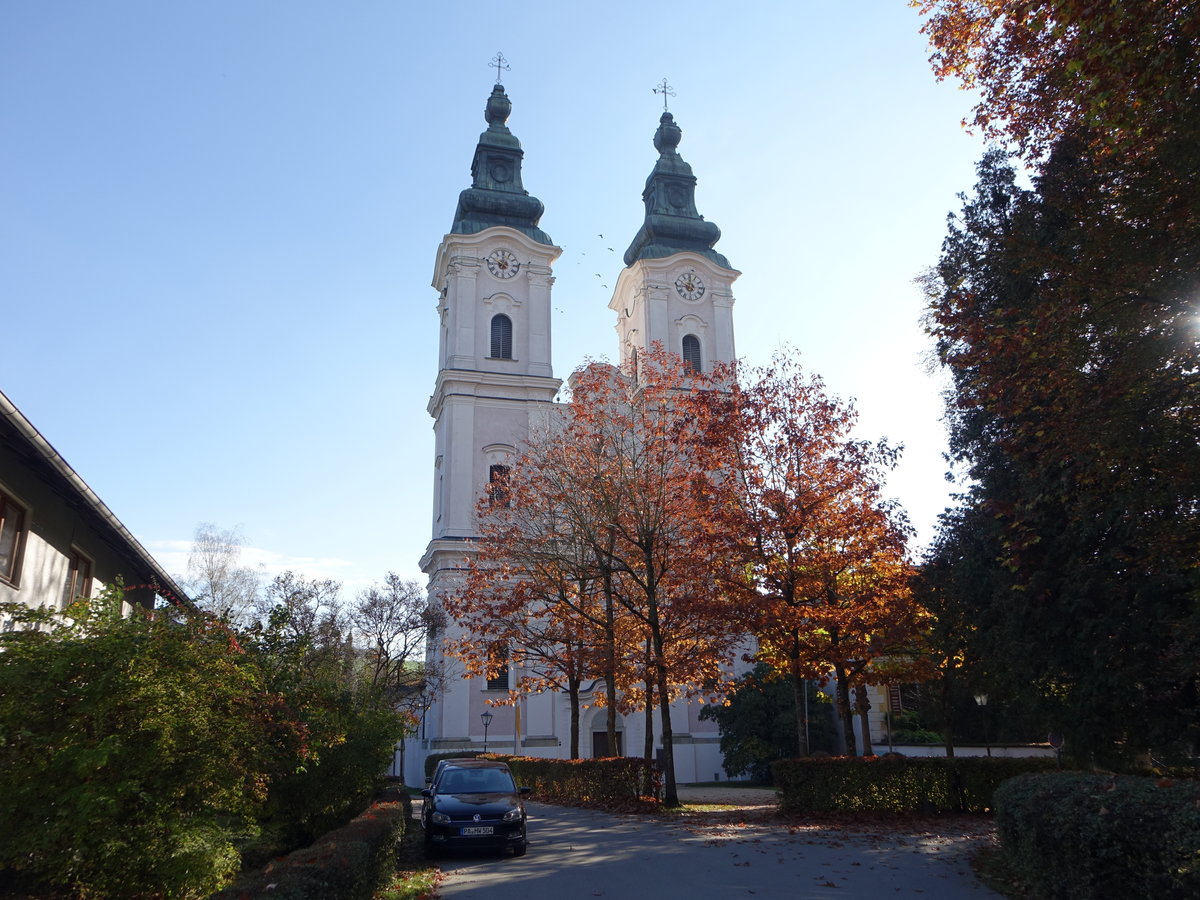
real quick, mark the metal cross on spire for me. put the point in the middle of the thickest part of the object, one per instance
(665, 90)
(499, 62)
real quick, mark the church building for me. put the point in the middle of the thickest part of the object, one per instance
(494, 276)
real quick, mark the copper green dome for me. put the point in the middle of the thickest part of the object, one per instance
(672, 223)
(496, 196)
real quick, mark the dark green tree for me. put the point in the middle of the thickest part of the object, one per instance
(758, 722)
(1066, 315)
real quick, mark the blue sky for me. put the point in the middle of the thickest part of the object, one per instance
(218, 223)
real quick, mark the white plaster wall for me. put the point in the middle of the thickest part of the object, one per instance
(43, 575)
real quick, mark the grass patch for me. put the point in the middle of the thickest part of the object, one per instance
(410, 885)
(416, 878)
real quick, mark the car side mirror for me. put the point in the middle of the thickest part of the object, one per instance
(426, 792)
(525, 790)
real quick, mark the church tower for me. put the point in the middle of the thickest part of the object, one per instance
(493, 278)
(675, 289)
(495, 385)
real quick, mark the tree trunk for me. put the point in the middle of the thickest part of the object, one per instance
(573, 694)
(799, 690)
(847, 745)
(610, 717)
(863, 706)
(648, 744)
(670, 789)
(610, 680)
(947, 723)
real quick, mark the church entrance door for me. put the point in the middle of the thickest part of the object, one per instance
(600, 745)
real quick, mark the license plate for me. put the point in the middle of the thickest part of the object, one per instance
(477, 829)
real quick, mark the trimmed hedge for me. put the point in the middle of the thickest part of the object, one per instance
(1074, 835)
(895, 784)
(617, 783)
(349, 863)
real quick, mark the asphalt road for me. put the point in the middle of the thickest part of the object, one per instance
(576, 853)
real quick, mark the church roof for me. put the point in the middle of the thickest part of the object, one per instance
(672, 223)
(496, 196)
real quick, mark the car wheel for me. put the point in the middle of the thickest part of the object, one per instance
(519, 849)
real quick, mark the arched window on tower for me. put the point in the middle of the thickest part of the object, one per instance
(691, 354)
(501, 337)
(498, 486)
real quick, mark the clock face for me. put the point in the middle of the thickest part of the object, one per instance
(689, 286)
(503, 263)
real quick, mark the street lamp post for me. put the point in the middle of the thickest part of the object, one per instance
(982, 700)
(486, 716)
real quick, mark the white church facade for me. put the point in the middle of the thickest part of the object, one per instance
(494, 277)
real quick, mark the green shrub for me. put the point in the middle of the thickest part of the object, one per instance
(138, 753)
(132, 751)
(1074, 835)
(894, 784)
(909, 728)
(977, 778)
(351, 740)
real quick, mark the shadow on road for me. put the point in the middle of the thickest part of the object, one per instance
(583, 853)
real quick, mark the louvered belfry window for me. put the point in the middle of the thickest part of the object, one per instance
(501, 337)
(691, 353)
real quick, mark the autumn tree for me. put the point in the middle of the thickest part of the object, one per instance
(820, 562)
(601, 528)
(1125, 74)
(641, 426)
(536, 587)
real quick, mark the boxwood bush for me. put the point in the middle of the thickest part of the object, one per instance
(1075, 835)
(895, 784)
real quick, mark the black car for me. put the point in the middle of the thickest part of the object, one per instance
(431, 780)
(474, 804)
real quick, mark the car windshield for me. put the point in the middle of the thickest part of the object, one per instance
(476, 781)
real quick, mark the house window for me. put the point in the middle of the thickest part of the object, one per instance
(12, 531)
(498, 668)
(691, 353)
(501, 337)
(79, 579)
(498, 486)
